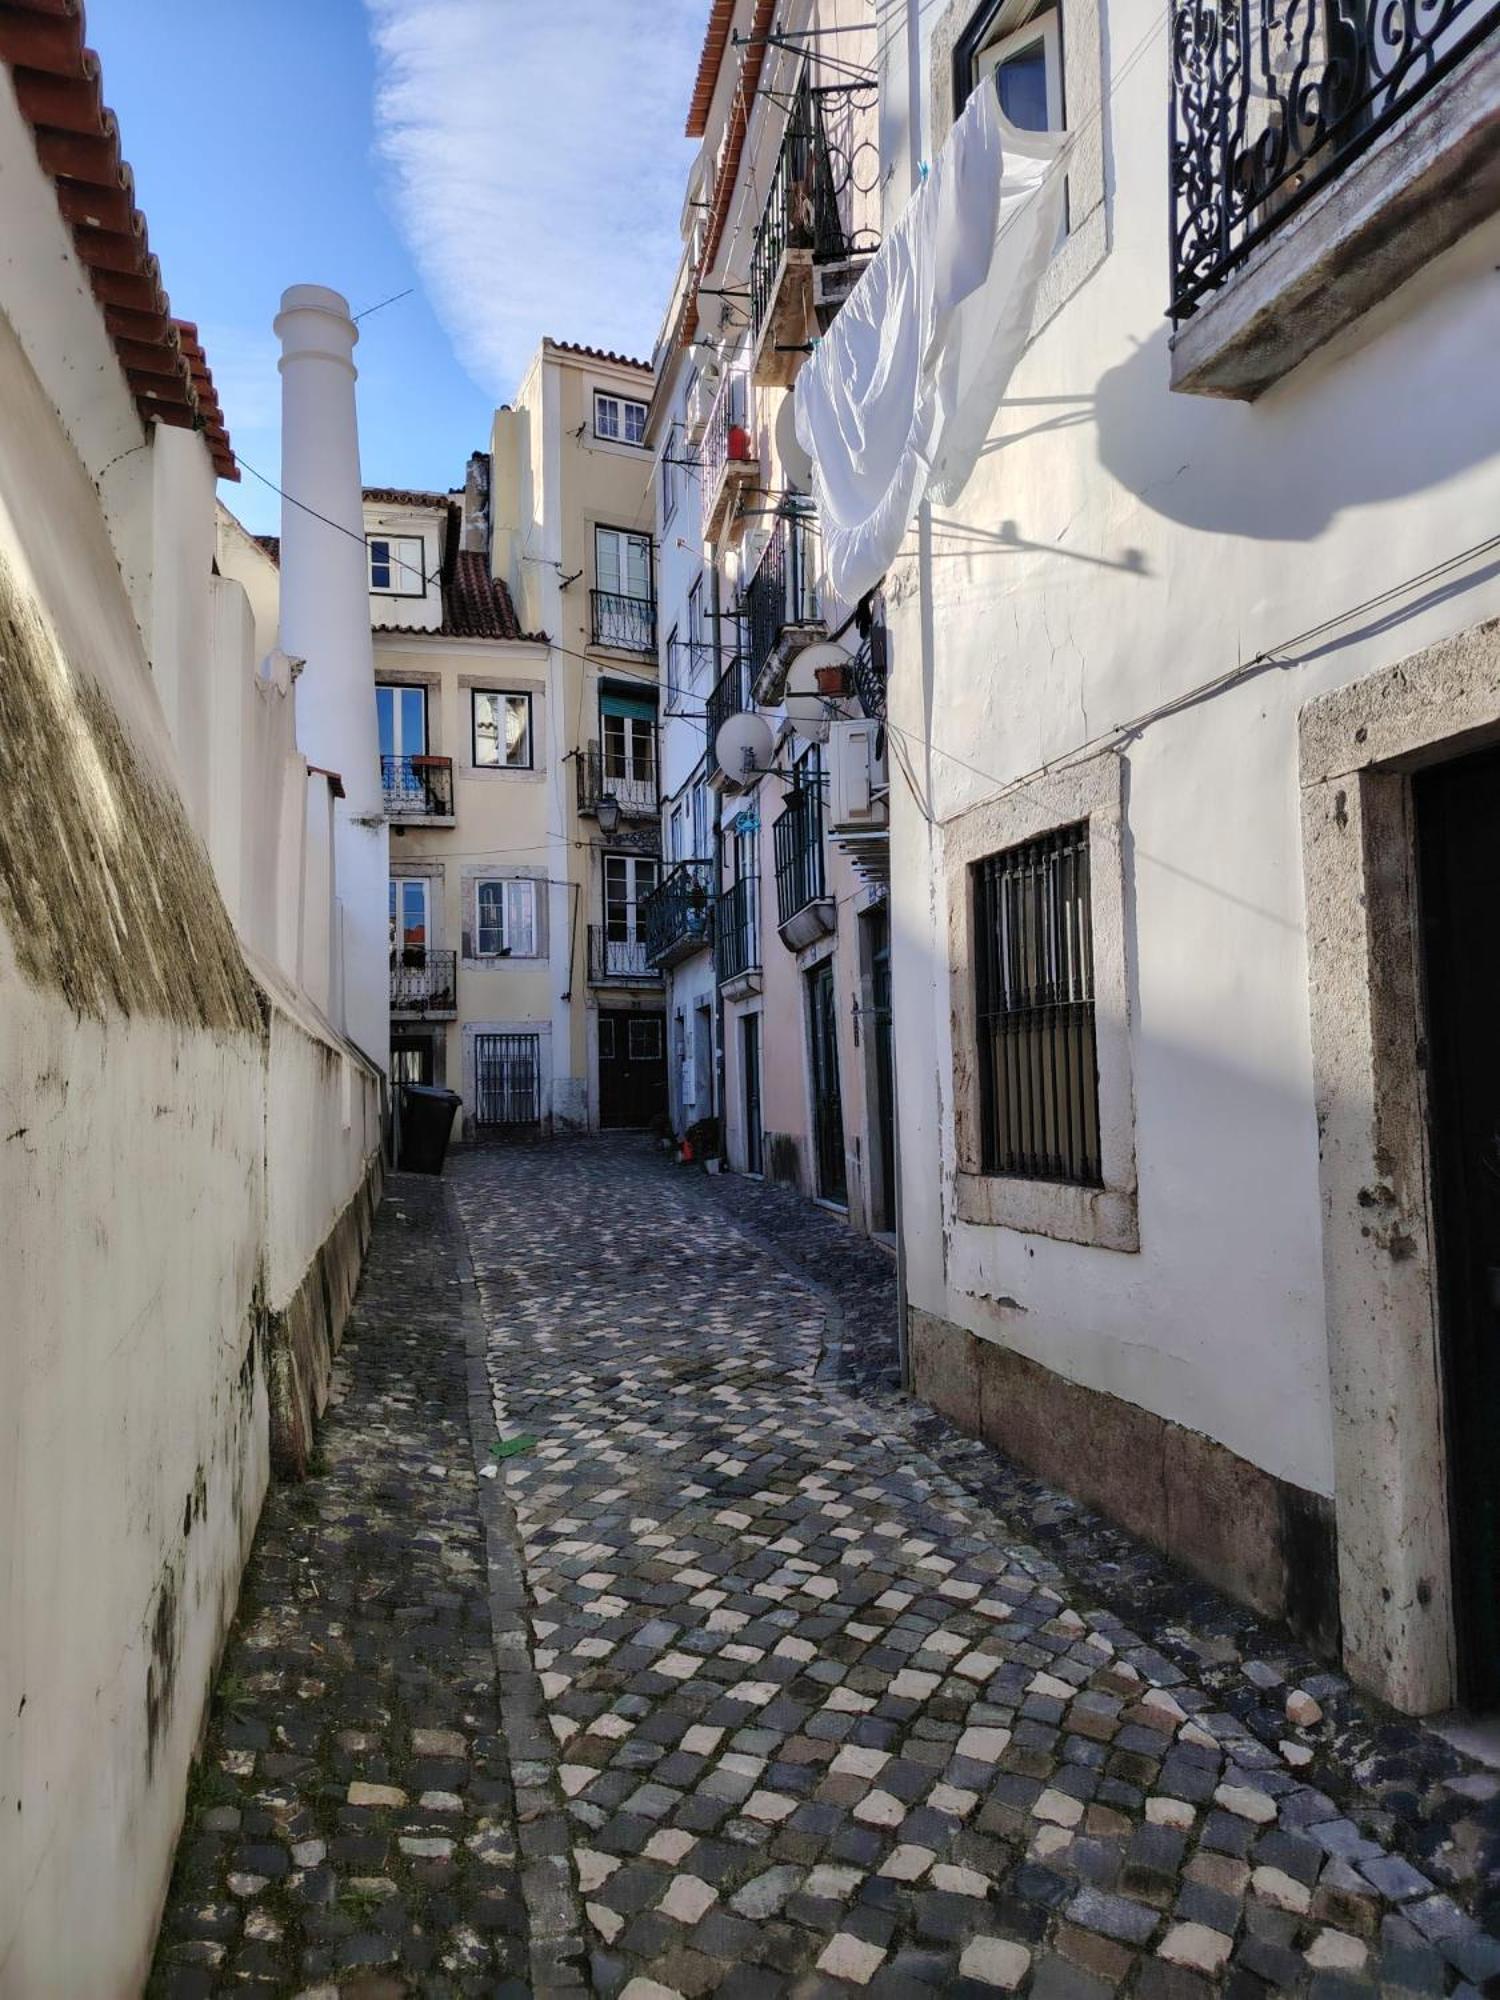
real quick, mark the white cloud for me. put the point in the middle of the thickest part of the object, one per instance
(537, 165)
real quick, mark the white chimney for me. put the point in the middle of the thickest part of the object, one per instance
(325, 620)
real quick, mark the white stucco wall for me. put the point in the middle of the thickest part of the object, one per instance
(1119, 546)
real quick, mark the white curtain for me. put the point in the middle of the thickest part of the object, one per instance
(898, 398)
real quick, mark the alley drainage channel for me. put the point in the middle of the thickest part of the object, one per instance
(636, 1635)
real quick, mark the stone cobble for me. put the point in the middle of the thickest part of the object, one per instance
(838, 1701)
(352, 1828)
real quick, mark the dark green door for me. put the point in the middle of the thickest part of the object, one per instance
(827, 1102)
(1458, 837)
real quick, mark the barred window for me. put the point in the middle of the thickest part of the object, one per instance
(1034, 993)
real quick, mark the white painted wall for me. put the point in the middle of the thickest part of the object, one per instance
(168, 1162)
(1117, 546)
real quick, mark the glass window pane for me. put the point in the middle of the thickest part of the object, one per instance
(413, 722)
(385, 714)
(635, 422)
(518, 729)
(607, 559)
(521, 918)
(491, 918)
(1023, 88)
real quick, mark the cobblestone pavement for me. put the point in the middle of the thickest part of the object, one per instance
(351, 1828)
(839, 1701)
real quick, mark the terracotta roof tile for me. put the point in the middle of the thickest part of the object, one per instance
(734, 146)
(272, 546)
(403, 496)
(598, 354)
(476, 605)
(715, 41)
(57, 84)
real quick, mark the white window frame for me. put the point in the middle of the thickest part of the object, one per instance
(395, 901)
(514, 939)
(1044, 28)
(623, 538)
(500, 763)
(613, 399)
(632, 867)
(405, 560)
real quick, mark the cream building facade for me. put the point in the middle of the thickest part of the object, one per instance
(516, 691)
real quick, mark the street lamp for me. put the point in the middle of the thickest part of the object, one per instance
(607, 812)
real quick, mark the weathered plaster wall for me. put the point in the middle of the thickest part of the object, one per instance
(1119, 546)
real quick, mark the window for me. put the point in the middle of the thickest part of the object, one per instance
(396, 566)
(697, 643)
(620, 419)
(671, 456)
(1034, 1011)
(630, 747)
(502, 731)
(628, 881)
(622, 563)
(645, 1038)
(702, 845)
(402, 716)
(506, 926)
(1024, 57)
(410, 931)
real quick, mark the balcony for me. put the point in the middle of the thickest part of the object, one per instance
(677, 916)
(781, 603)
(418, 790)
(820, 225)
(630, 782)
(623, 624)
(424, 984)
(804, 910)
(729, 462)
(1319, 157)
(869, 672)
(619, 961)
(737, 938)
(730, 695)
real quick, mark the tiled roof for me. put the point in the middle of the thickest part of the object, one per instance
(272, 546)
(403, 496)
(77, 142)
(734, 146)
(598, 354)
(715, 41)
(476, 605)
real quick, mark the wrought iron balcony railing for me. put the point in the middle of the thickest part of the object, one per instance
(824, 192)
(869, 672)
(783, 591)
(730, 695)
(417, 787)
(1271, 98)
(423, 981)
(624, 624)
(737, 931)
(629, 781)
(797, 835)
(728, 456)
(678, 914)
(619, 960)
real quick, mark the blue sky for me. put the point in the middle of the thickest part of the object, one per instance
(519, 163)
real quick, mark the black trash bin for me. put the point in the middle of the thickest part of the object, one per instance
(426, 1122)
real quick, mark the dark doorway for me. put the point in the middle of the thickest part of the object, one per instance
(1458, 847)
(827, 1102)
(632, 1069)
(750, 1044)
(411, 1059)
(883, 1179)
(507, 1081)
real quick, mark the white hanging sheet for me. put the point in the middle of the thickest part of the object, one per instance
(898, 398)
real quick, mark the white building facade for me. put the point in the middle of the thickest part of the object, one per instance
(1196, 687)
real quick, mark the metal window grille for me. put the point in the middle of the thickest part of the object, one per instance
(508, 1079)
(1034, 991)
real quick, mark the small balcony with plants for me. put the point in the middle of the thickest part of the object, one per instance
(781, 609)
(820, 225)
(677, 916)
(729, 462)
(424, 984)
(418, 790)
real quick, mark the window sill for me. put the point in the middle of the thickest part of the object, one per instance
(1427, 181)
(1107, 1218)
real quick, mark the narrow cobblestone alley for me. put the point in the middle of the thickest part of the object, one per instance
(798, 1691)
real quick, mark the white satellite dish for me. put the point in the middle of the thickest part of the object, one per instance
(744, 746)
(795, 463)
(810, 708)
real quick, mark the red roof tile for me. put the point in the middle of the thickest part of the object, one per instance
(272, 546)
(734, 146)
(598, 354)
(476, 605)
(715, 41)
(403, 496)
(57, 84)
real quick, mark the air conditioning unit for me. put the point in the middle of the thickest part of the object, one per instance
(858, 787)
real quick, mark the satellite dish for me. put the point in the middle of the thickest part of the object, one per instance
(744, 746)
(814, 684)
(795, 463)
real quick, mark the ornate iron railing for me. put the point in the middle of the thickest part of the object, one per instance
(783, 590)
(730, 695)
(798, 838)
(629, 781)
(1271, 98)
(423, 981)
(821, 193)
(417, 787)
(737, 930)
(627, 624)
(869, 673)
(677, 916)
(614, 958)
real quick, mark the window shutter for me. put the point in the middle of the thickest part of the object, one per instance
(520, 918)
